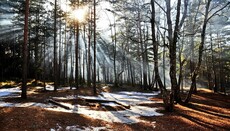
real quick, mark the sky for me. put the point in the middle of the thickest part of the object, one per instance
(104, 16)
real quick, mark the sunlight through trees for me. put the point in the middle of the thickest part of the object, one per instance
(172, 46)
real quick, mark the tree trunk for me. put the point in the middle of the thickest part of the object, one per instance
(172, 57)
(44, 63)
(166, 99)
(181, 63)
(89, 53)
(24, 64)
(115, 55)
(221, 72)
(65, 56)
(94, 40)
(201, 47)
(213, 66)
(143, 52)
(172, 52)
(192, 60)
(76, 55)
(84, 55)
(36, 47)
(71, 64)
(60, 54)
(55, 47)
(164, 66)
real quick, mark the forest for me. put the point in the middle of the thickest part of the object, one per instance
(114, 65)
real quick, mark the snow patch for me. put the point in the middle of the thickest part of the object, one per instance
(139, 93)
(129, 116)
(79, 128)
(9, 92)
(51, 88)
(65, 98)
(110, 104)
(27, 104)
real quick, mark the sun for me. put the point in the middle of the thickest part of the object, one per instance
(79, 14)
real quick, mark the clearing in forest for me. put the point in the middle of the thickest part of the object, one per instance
(116, 110)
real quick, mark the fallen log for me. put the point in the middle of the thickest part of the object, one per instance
(97, 100)
(116, 100)
(123, 104)
(106, 101)
(58, 104)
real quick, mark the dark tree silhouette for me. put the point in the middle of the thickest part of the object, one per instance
(24, 64)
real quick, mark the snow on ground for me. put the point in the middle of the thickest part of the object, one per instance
(130, 98)
(79, 128)
(51, 88)
(9, 92)
(127, 116)
(132, 93)
(65, 98)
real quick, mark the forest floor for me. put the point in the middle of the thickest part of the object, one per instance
(206, 111)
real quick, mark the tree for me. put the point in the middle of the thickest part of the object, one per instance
(156, 66)
(76, 26)
(55, 47)
(24, 65)
(172, 38)
(94, 47)
(173, 35)
(89, 48)
(192, 29)
(207, 17)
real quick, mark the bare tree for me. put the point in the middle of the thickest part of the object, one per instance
(24, 65)
(173, 30)
(207, 17)
(156, 66)
(55, 47)
(172, 38)
(95, 42)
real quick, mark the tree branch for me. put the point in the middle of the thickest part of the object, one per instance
(218, 11)
(184, 14)
(161, 7)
